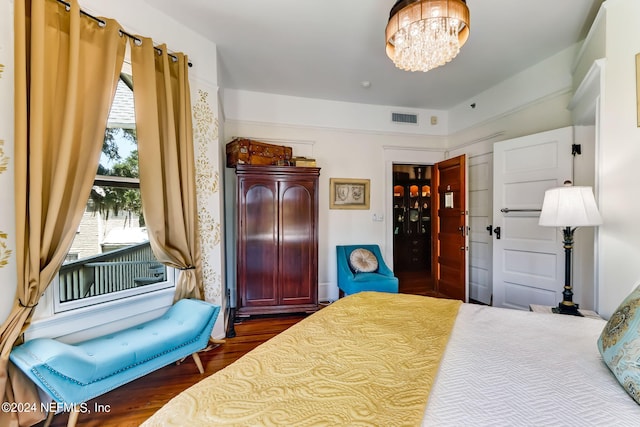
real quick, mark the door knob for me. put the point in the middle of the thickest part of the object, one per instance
(497, 232)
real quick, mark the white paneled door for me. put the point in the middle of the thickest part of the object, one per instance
(528, 260)
(480, 170)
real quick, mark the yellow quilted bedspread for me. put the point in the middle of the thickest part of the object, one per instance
(368, 360)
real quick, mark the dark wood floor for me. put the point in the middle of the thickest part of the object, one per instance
(417, 282)
(133, 403)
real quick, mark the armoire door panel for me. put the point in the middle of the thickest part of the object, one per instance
(297, 256)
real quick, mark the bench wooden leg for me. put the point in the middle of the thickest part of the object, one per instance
(196, 358)
(73, 416)
(49, 419)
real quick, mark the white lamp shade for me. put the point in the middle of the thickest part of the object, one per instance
(569, 207)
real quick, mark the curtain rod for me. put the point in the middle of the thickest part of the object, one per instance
(122, 32)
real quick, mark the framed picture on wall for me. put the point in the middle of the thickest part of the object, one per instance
(349, 193)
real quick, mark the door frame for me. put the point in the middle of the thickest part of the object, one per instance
(401, 155)
(394, 225)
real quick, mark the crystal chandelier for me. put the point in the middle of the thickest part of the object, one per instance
(425, 34)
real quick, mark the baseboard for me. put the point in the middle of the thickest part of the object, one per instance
(327, 291)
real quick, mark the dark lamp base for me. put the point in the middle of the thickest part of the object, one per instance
(567, 309)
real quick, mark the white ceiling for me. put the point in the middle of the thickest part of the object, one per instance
(326, 48)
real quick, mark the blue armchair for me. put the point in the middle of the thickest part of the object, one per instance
(351, 282)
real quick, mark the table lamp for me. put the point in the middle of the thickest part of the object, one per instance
(569, 207)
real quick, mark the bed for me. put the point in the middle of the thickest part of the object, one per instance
(377, 359)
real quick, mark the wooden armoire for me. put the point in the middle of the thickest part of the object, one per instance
(277, 244)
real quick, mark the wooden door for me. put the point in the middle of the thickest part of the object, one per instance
(298, 242)
(450, 228)
(528, 260)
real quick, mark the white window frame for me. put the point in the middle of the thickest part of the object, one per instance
(59, 307)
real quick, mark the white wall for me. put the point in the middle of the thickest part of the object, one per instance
(297, 111)
(618, 148)
(549, 78)
(139, 17)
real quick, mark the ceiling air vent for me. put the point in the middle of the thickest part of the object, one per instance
(404, 118)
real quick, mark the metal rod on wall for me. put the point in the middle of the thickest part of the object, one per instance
(507, 210)
(122, 32)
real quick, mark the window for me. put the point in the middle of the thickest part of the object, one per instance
(111, 257)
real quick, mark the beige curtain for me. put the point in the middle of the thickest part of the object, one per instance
(166, 161)
(66, 72)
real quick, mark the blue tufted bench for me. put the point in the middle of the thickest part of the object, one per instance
(75, 373)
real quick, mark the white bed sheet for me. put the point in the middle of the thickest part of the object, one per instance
(514, 368)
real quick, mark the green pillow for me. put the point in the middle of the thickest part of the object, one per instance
(619, 344)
